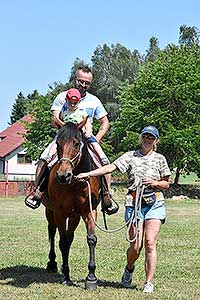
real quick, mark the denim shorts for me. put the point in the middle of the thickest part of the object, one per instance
(148, 211)
(91, 139)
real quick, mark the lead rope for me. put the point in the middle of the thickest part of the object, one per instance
(93, 218)
(136, 216)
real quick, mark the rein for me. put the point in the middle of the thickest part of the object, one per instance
(101, 228)
(135, 214)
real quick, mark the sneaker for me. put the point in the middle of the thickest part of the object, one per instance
(148, 288)
(127, 277)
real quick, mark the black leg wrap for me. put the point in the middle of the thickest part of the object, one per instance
(92, 239)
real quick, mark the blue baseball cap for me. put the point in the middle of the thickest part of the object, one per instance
(152, 130)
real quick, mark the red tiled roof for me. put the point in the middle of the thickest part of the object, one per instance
(11, 138)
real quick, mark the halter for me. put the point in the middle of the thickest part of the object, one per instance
(71, 161)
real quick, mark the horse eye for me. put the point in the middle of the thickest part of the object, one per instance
(76, 146)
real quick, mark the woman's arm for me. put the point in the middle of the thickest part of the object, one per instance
(162, 184)
(100, 171)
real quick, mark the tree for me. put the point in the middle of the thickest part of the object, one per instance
(188, 35)
(19, 109)
(112, 66)
(22, 106)
(40, 133)
(153, 51)
(166, 94)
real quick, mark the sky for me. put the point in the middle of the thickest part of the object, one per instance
(40, 39)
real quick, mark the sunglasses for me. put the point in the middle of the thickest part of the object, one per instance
(148, 136)
(83, 82)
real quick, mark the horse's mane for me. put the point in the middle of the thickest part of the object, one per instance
(69, 131)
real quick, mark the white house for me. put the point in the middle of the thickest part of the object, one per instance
(13, 161)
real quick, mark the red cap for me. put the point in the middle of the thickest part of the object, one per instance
(73, 95)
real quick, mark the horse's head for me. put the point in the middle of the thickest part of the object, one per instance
(69, 149)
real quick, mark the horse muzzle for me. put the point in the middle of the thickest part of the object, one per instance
(64, 177)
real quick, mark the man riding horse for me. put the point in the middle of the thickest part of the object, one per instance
(94, 109)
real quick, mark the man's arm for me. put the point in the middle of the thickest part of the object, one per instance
(55, 120)
(104, 126)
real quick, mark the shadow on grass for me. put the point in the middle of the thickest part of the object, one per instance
(113, 284)
(23, 276)
(110, 284)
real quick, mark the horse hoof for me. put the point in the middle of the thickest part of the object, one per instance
(91, 284)
(67, 282)
(52, 267)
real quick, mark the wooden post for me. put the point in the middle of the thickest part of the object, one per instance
(6, 187)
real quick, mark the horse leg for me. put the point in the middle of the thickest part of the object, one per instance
(91, 279)
(66, 239)
(52, 264)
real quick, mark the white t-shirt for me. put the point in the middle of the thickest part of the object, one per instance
(90, 103)
(76, 116)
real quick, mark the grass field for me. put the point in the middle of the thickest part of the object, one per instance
(189, 179)
(24, 254)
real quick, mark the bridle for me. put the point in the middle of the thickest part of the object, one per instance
(74, 159)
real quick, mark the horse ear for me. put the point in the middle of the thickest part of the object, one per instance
(82, 123)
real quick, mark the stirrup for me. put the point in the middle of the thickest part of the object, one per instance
(32, 201)
(110, 209)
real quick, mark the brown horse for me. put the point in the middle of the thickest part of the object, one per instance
(68, 201)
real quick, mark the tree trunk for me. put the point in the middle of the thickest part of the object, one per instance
(176, 179)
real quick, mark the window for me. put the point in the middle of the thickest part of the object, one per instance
(23, 159)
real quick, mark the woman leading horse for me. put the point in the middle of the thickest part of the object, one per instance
(68, 201)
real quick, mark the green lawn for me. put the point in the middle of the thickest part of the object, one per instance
(192, 178)
(24, 254)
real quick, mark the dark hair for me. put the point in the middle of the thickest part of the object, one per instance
(84, 68)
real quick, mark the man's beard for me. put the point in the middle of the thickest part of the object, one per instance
(82, 92)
